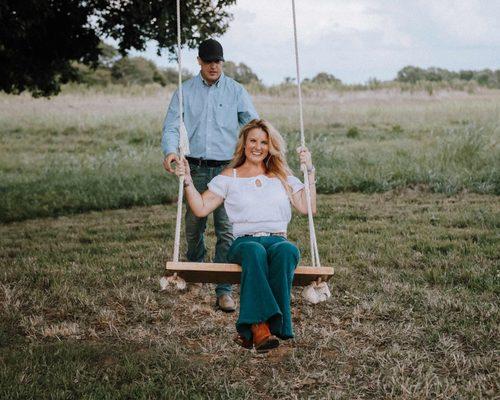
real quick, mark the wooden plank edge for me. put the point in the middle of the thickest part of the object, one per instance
(235, 268)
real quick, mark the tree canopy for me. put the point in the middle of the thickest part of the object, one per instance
(240, 72)
(325, 78)
(41, 41)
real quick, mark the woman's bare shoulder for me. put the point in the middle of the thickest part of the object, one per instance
(227, 172)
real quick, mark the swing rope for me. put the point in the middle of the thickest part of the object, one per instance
(315, 262)
(182, 146)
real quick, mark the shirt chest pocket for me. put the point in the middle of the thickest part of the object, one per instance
(226, 114)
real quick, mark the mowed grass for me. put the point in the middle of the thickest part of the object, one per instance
(413, 314)
(89, 150)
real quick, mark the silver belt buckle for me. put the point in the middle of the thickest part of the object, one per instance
(261, 234)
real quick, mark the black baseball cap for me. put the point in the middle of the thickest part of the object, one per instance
(211, 50)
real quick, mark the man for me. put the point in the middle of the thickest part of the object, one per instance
(215, 107)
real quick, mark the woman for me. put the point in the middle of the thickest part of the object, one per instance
(257, 189)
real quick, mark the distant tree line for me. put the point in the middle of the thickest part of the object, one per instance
(485, 77)
(412, 75)
(323, 78)
(241, 73)
(113, 69)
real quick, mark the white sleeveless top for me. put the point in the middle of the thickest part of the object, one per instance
(252, 208)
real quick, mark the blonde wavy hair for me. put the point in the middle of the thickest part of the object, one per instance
(275, 162)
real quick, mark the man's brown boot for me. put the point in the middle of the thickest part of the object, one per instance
(226, 303)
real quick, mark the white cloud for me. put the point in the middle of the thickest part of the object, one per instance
(471, 22)
(263, 20)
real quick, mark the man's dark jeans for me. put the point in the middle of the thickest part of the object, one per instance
(195, 227)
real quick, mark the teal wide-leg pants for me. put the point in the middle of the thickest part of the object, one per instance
(268, 264)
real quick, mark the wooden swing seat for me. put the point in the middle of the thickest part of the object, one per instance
(231, 273)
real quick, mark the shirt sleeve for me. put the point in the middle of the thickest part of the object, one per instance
(170, 136)
(219, 185)
(246, 109)
(295, 184)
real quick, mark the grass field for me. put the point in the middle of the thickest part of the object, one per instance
(414, 312)
(409, 217)
(92, 151)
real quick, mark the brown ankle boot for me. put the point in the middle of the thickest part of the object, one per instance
(262, 338)
(243, 342)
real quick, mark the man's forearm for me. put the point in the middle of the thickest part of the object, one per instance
(170, 141)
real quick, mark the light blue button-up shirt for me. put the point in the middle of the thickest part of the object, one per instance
(213, 115)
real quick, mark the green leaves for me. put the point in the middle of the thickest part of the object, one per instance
(41, 39)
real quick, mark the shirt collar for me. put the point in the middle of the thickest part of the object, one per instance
(217, 83)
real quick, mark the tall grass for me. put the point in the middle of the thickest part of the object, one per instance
(453, 160)
(94, 150)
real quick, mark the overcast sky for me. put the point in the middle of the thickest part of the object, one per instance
(358, 39)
